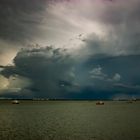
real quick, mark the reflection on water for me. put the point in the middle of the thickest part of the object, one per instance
(69, 120)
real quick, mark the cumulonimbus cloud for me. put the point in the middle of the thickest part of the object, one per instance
(54, 73)
(108, 30)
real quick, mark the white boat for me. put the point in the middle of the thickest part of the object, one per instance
(15, 102)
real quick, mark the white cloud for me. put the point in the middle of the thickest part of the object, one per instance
(97, 73)
(116, 77)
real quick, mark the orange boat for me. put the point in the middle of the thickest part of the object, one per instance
(100, 103)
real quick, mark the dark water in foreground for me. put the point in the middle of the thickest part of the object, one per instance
(69, 120)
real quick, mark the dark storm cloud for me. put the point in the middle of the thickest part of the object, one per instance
(103, 76)
(50, 70)
(127, 66)
(56, 74)
(19, 19)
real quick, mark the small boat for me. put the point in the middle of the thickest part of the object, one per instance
(15, 102)
(100, 103)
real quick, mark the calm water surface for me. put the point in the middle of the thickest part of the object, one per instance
(69, 120)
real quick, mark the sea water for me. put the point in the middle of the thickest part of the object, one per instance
(69, 120)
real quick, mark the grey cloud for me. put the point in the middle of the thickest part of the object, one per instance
(119, 23)
(19, 19)
(19, 25)
(114, 43)
(119, 20)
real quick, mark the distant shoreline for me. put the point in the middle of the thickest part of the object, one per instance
(42, 99)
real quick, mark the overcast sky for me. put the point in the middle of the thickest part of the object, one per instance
(70, 49)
